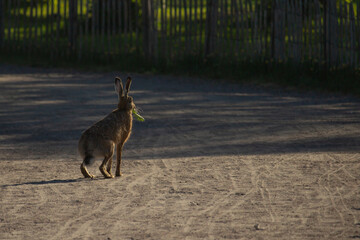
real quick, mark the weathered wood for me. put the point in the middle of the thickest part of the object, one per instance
(212, 16)
(120, 30)
(72, 24)
(162, 30)
(341, 32)
(256, 34)
(130, 24)
(16, 24)
(190, 28)
(9, 23)
(278, 32)
(180, 42)
(52, 42)
(126, 25)
(137, 34)
(352, 35)
(326, 34)
(175, 35)
(41, 29)
(246, 27)
(197, 31)
(318, 32)
(242, 38)
(148, 29)
(102, 27)
(358, 35)
(201, 25)
(298, 31)
(170, 28)
(260, 15)
(237, 27)
(86, 30)
(30, 23)
(308, 29)
(266, 33)
(80, 30)
(302, 30)
(35, 27)
(333, 25)
(227, 36)
(220, 36)
(93, 30)
(2, 19)
(12, 27)
(58, 18)
(46, 27)
(108, 30)
(186, 26)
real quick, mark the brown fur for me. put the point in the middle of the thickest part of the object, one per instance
(113, 131)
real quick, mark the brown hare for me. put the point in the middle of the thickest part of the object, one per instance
(113, 131)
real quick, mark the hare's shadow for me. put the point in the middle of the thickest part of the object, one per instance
(54, 181)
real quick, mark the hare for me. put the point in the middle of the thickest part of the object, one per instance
(113, 131)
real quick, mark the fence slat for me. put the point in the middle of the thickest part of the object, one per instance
(358, 35)
(9, 21)
(202, 31)
(266, 31)
(2, 19)
(16, 24)
(346, 34)
(352, 36)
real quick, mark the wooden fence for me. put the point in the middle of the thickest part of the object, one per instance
(170, 30)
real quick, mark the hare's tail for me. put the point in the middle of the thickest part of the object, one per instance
(88, 160)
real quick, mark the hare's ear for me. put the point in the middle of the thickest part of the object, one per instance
(127, 87)
(119, 87)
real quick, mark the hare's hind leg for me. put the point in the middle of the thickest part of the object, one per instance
(103, 170)
(85, 172)
(88, 160)
(108, 152)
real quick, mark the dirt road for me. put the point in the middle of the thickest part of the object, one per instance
(213, 160)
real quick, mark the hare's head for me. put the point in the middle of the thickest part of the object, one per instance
(126, 102)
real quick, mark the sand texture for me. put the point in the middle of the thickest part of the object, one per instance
(213, 160)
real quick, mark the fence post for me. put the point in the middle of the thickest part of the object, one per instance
(1, 22)
(330, 25)
(72, 25)
(331, 28)
(210, 28)
(325, 37)
(328, 33)
(278, 30)
(148, 31)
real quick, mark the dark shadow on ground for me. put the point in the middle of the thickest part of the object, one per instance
(43, 113)
(54, 181)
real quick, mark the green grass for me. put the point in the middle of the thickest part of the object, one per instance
(125, 55)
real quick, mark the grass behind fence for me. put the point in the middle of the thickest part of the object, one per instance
(180, 46)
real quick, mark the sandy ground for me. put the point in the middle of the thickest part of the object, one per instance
(213, 160)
